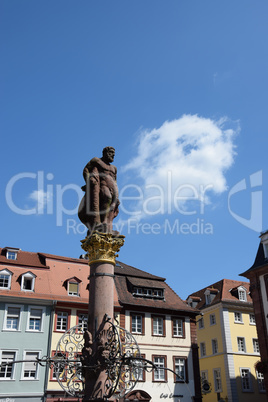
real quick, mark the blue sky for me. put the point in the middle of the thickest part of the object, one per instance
(179, 88)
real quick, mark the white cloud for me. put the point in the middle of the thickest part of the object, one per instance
(41, 198)
(186, 155)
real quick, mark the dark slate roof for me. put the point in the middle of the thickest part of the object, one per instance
(127, 270)
(171, 300)
(260, 261)
(225, 292)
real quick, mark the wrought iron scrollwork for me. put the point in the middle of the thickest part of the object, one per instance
(119, 355)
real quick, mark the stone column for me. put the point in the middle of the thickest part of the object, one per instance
(101, 249)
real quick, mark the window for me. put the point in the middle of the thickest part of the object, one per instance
(180, 368)
(212, 319)
(202, 349)
(61, 321)
(35, 319)
(5, 279)
(201, 323)
(256, 348)
(217, 380)
(245, 379)
(11, 255)
(242, 294)
(27, 282)
(82, 320)
(260, 379)
(204, 375)
(12, 319)
(160, 373)
(7, 370)
(73, 289)
(30, 367)
(214, 346)
(208, 298)
(137, 323)
(178, 327)
(139, 370)
(158, 326)
(238, 317)
(59, 366)
(241, 345)
(148, 292)
(252, 320)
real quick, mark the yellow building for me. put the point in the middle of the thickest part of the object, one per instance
(228, 343)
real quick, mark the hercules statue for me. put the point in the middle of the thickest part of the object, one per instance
(99, 206)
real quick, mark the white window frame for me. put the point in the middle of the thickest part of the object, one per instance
(256, 346)
(72, 293)
(260, 380)
(36, 378)
(181, 362)
(83, 320)
(15, 351)
(212, 319)
(27, 276)
(6, 316)
(203, 351)
(8, 273)
(238, 314)
(252, 319)
(217, 380)
(242, 379)
(215, 347)
(178, 328)
(158, 329)
(62, 315)
(159, 375)
(242, 294)
(41, 319)
(239, 344)
(136, 322)
(10, 253)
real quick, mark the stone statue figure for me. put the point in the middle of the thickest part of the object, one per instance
(99, 206)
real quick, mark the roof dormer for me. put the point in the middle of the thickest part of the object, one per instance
(72, 286)
(28, 281)
(5, 278)
(210, 294)
(264, 241)
(11, 252)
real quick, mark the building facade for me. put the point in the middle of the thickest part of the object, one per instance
(228, 343)
(258, 276)
(43, 295)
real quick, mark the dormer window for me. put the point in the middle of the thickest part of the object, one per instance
(5, 279)
(148, 292)
(264, 241)
(11, 255)
(73, 289)
(27, 282)
(242, 294)
(72, 286)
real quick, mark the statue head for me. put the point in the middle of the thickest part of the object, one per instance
(108, 154)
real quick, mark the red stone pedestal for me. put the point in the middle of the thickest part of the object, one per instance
(101, 249)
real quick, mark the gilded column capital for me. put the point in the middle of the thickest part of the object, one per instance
(102, 247)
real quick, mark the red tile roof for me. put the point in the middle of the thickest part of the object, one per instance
(225, 292)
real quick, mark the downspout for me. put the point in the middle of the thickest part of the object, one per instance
(49, 344)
